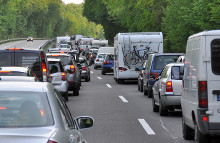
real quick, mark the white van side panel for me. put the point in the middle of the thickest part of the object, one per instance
(213, 83)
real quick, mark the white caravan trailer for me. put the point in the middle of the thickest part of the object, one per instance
(66, 39)
(131, 50)
(100, 43)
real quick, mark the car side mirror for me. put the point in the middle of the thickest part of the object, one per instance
(84, 122)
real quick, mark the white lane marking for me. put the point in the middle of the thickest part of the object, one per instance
(171, 135)
(109, 86)
(146, 127)
(99, 77)
(91, 71)
(123, 99)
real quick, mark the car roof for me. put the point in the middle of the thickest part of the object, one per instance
(24, 86)
(20, 69)
(160, 54)
(22, 49)
(61, 54)
(206, 33)
(17, 79)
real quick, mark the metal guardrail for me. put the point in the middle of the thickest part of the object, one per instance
(17, 39)
(46, 43)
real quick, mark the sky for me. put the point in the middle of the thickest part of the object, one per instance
(72, 1)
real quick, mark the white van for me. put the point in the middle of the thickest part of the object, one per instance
(106, 50)
(100, 43)
(131, 50)
(201, 87)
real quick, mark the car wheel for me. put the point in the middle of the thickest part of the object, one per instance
(150, 92)
(199, 137)
(95, 67)
(162, 111)
(155, 107)
(103, 73)
(120, 81)
(76, 92)
(145, 91)
(138, 87)
(87, 79)
(188, 133)
(141, 86)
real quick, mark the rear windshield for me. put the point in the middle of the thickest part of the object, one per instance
(28, 60)
(110, 57)
(215, 56)
(6, 59)
(161, 61)
(13, 73)
(24, 109)
(64, 59)
(101, 56)
(55, 67)
(64, 46)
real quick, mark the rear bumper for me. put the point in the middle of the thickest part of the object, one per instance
(107, 69)
(63, 87)
(171, 100)
(84, 75)
(98, 64)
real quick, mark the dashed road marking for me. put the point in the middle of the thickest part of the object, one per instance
(99, 77)
(123, 99)
(91, 71)
(109, 86)
(146, 127)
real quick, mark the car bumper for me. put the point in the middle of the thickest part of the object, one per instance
(98, 64)
(63, 87)
(84, 74)
(108, 69)
(171, 100)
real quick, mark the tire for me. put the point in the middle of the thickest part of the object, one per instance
(87, 79)
(95, 67)
(103, 72)
(120, 81)
(199, 137)
(145, 91)
(162, 111)
(188, 133)
(150, 92)
(155, 107)
(76, 92)
(138, 87)
(141, 87)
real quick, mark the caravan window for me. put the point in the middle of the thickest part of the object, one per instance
(215, 56)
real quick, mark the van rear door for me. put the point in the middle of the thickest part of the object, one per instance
(213, 77)
(6, 58)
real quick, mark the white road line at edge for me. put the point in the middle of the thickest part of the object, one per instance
(91, 71)
(99, 77)
(123, 99)
(146, 127)
(109, 86)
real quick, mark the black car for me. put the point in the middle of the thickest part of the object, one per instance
(85, 70)
(35, 59)
(30, 39)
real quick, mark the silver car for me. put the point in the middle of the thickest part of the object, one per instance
(58, 76)
(99, 60)
(167, 89)
(35, 112)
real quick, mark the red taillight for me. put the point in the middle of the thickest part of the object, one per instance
(169, 87)
(5, 71)
(42, 56)
(73, 69)
(106, 62)
(142, 73)
(202, 92)
(63, 76)
(205, 118)
(55, 55)
(3, 108)
(91, 56)
(51, 142)
(62, 52)
(97, 60)
(44, 68)
(123, 69)
(84, 68)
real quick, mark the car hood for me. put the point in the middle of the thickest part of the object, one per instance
(23, 135)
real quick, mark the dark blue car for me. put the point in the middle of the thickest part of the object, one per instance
(108, 64)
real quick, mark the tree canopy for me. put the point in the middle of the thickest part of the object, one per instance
(44, 18)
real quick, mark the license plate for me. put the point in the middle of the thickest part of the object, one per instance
(218, 97)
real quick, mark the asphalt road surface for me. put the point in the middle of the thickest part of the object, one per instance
(122, 114)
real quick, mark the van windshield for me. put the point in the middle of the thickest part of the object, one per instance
(161, 61)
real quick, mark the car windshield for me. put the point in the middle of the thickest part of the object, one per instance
(24, 109)
(161, 61)
(101, 56)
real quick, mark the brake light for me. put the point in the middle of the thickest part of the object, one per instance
(106, 62)
(63, 76)
(97, 60)
(202, 92)
(55, 55)
(73, 69)
(14, 49)
(169, 87)
(205, 118)
(42, 56)
(62, 52)
(91, 56)
(3, 108)
(123, 69)
(44, 68)
(51, 142)
(84, 68)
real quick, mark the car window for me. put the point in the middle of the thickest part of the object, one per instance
(101, 56)
(65, 110)
(55, 67)
(215, 56)
(64, 59)
(161, 61)
(110, 57)
(24, 109)
(6, 59)
(175, 72)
